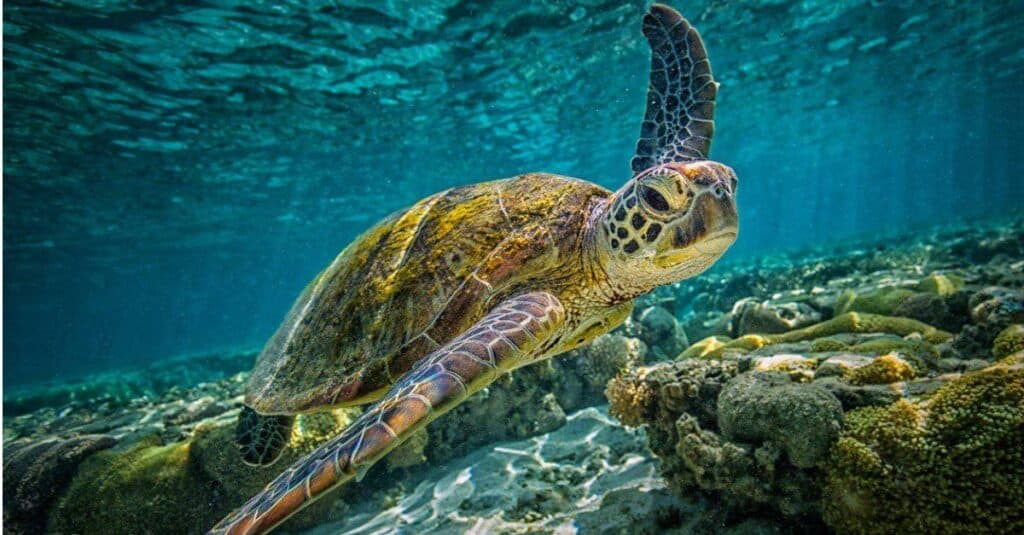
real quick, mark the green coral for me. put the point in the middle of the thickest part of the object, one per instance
(881, 301)
(917, 349)
(1009, 341)
(823, 345)
(952, 464)
(855, 322)
(850, 322)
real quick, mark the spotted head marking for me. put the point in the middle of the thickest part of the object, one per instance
(673, 220)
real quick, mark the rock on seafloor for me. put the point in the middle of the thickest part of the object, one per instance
(35, 473)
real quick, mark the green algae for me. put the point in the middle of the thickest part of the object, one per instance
(148, 489)
(182, 487)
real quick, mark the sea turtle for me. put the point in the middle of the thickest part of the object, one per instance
(438, 300)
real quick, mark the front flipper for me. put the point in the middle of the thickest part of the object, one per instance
(680, 116)
(513, 334)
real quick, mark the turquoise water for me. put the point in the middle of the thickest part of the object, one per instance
(175, 173)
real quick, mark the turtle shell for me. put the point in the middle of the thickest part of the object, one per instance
(413, 282)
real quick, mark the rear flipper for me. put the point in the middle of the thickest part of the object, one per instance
(513, 334)
(261, 438)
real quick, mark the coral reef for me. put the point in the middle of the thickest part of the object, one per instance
(952, 464)
(608, 354)
(171, 488)
(992, 309)
(751, 467)
(147, 489)
(119, 388)
(857, 415)
(801, 419)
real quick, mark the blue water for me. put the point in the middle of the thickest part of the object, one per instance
(174, 173)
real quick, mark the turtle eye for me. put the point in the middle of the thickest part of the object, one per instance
(654, 199)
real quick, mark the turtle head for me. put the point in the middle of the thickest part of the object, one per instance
(669, 222)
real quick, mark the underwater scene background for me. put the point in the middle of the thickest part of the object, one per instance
(175, 173)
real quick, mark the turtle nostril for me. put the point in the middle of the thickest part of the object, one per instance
(719, 191)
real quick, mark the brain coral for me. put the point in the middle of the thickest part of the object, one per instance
(952, 464)
(1009, 341)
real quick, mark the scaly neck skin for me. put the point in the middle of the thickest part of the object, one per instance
(612, 281)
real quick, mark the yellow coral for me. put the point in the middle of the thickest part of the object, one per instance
(750, 342)
(705, 347)
(629, 399)
(1015, 359)
(1009, 341)
(887, 369)
(940, 284)
(952, 464)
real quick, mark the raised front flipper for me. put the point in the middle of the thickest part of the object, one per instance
(512, 335)
(680, 116)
